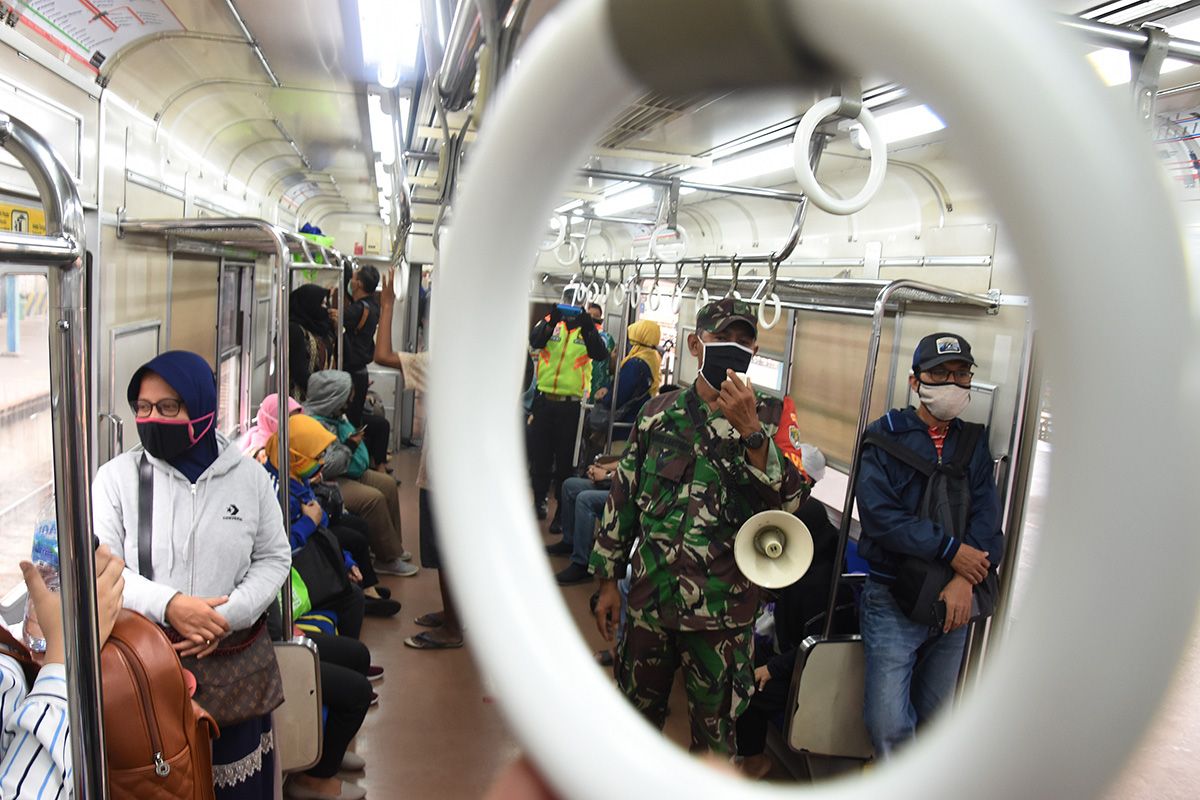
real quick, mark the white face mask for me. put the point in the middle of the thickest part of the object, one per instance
(944, 401)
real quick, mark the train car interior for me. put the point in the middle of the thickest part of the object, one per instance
(257, 181)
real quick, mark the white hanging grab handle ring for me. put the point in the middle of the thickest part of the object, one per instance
(558, 240)
(770, 297)
(655, 300)
(593, 292)
(634, 292)
(572, 250)
(678, 294)
(618, 290)
(808, 179)
(763, 322)
(735, 268)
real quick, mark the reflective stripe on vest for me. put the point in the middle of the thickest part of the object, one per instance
(564, 367)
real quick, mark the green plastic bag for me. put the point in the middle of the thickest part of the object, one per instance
(300, 602)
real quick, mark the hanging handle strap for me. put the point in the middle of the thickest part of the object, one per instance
(145, 517)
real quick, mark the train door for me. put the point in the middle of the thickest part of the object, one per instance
(235, 351)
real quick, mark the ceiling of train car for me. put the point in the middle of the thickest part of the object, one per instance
(208, 86)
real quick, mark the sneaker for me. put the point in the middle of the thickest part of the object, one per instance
(558, 549)
(374, 699)
(396, 567)
(406, 556)
(374, 673)
(574, 573)
(555, 525)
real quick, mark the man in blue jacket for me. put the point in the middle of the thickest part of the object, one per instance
(911, 669)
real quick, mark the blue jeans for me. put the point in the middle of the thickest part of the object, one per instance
(910, 671)
(582, 504)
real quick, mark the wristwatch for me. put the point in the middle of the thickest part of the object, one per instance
(754, 440)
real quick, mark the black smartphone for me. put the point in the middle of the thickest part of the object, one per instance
(939, 614)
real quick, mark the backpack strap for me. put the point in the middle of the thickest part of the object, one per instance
(145, 517)
(965, 448)
(899, 451)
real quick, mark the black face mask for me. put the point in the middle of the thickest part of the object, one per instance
(722, 356)
(168, 439)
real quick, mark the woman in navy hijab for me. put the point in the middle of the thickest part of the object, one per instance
(218, 552)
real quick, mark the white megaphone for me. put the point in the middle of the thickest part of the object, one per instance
(773, 549)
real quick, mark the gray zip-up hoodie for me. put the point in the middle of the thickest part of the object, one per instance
(223, 535)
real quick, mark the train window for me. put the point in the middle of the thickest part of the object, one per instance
(830, 352)
(26, 446)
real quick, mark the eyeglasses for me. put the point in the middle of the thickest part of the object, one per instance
(170, 407)
(941, 375)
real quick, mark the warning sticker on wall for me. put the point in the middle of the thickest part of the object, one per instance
(22, 219)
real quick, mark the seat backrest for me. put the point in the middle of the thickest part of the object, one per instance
(298, 723)
(827, 687)
(159, 742)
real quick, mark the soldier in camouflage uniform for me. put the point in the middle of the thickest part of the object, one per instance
(699, 463)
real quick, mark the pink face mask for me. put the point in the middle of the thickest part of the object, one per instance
(169, 438)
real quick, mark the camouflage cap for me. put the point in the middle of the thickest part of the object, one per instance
(720, 314)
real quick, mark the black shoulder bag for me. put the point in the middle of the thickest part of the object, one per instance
(238, 681)
(946, 500)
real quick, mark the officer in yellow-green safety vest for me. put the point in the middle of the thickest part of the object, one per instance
(567, 341)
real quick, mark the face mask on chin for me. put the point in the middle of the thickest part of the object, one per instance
(944, 401)
(168, 438)
(722, 356)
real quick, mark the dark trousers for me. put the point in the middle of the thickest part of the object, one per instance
(376, 437)
(350, 609)
(354, 541)
(361, 382)
(552, 443)
(766, 703)
(346, 693)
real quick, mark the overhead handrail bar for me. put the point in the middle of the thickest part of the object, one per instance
(64, 249)
(245, 231)
(652, 180)
(1129, 39)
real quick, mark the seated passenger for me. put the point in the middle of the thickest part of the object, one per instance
(912, 667)
(219, 549)
(367, 493)
(582, 504)
(266, 423)
(639, 377)
(799, 612)
(307, 441)
(35, 743)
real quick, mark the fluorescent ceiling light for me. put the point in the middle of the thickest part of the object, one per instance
(744, 167)
(383, 139)
(896, 126)
(625, 200)
(391, 36)
(1112, 65)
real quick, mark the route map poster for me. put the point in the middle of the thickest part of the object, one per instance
(92, 30)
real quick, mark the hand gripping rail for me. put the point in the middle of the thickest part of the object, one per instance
(63, 252)
(1070, 212)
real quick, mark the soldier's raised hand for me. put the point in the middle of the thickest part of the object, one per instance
(738, 404)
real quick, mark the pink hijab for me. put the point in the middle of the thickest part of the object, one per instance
(266, 423)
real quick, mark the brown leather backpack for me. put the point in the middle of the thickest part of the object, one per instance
(159, 740)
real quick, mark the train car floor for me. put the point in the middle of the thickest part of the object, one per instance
(436, 732)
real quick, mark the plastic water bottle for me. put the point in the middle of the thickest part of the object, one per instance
(45, 560)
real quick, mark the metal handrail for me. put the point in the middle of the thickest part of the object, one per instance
(64, 248)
